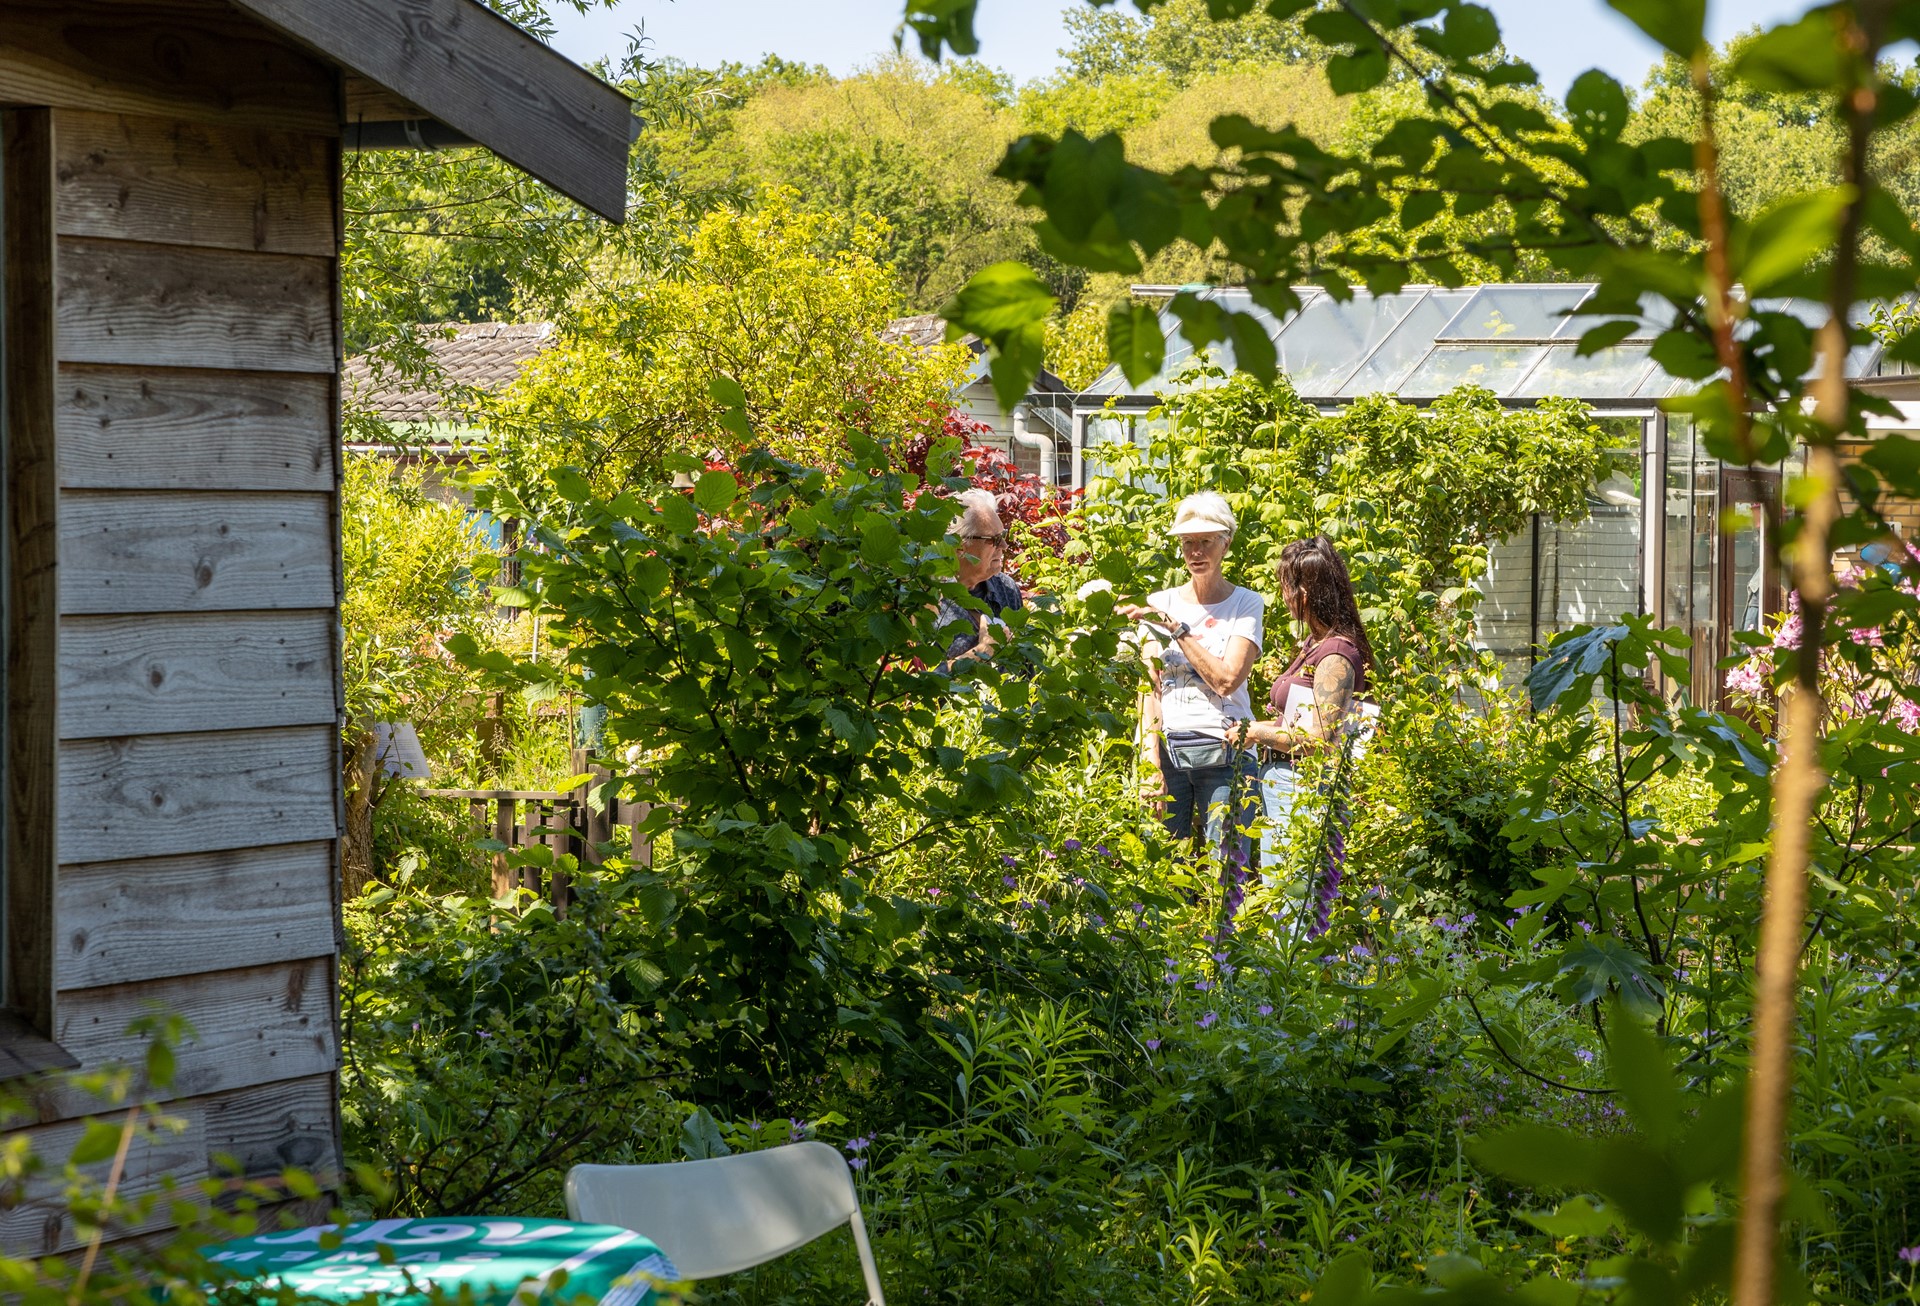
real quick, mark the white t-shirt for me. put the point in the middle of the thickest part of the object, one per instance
(1186, 703)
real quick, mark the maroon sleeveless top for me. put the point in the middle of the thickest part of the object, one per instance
(1300, 670)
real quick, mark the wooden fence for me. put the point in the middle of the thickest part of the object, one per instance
(564, 820)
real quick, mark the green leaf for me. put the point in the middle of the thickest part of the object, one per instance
(657, 905)
(879, 541)
(1685, 354)
(1593, 340)
(1346, 1282)
(1804, 55)
(1642, 1185)
(1253, 349)
(1596, 967)
(1016, 362)
(1786, 237)
(715, 492)
(700, 1137)
(1000, 299)
(942, 24)
(1539, 1157)
(1469, 31)
(1676, 25)
(1350, 74)
(1420, 208)
(733, 405)
(1597, 107)
(1576, 1218)
(1645, 1080)
(1135, 342)
(570, 485)
(100, 1141)
(1711, 1150)
(1571, 663)
(678, 513)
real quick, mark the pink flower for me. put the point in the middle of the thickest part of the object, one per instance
(1747, 679)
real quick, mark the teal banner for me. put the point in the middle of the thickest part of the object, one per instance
(501, 1261)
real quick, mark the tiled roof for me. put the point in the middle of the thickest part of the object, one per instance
(922, 331)
(484, 355)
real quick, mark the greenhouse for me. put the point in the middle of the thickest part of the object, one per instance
(1635, 552)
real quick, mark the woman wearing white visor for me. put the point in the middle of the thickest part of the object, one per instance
(1206, 636)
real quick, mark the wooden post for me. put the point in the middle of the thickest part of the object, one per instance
(30, 741)
(503, 831)
(492, 735)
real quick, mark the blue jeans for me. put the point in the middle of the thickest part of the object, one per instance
(1281, 796)
(1210, 791)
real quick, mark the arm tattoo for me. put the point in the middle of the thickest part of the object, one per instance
(1332, 692)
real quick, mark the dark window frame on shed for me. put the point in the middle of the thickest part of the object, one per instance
(29, 598)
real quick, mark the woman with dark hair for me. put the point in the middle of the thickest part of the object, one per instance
(1328, 672)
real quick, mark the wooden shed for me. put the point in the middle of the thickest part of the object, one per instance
(170, 353)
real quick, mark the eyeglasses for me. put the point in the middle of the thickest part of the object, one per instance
(997, 541)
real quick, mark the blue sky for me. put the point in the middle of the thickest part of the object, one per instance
(1562, 38)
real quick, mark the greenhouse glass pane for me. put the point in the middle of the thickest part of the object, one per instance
(1406, 345)
(1614, 373)
(1656, 315)
(1513, 312)
(1326, 340)
(1659, 385)
(1493, 367)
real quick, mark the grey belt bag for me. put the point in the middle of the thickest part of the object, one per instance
(1199, 754)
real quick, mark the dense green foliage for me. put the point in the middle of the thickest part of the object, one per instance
(918, 909)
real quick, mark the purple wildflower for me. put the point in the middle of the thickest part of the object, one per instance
(1006, 859)
(1206, 1021)
(1201, 986)
(1153, 1045)
(1911, 1255)
(1071, 845)
(1008, 880)
(1264, 1009)
(856, 1163)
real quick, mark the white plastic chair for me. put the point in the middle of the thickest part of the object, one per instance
(730, 1213)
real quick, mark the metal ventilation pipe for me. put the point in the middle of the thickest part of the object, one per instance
(1042, 445)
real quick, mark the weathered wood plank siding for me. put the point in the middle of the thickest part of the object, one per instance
(142, 674)
(122, 922)
(251, 1027)
(251, 1131)
(142, 551)
(196, 308)
(179, 429)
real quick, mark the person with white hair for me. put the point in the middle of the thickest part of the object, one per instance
(980, 565)
(1195, 720)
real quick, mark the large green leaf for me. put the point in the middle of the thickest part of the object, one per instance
(1597, 107)
(1644, 1078)
(715, 492)
(1016, 362)
(1552, 1160)
(1804, 55)
(1571, 663)
(733, 405)
(1676, 25)
(999, 299)
(1597, 967)
(1788, 236)
(1134, 341)
(1346, 1282)
(1253, 349)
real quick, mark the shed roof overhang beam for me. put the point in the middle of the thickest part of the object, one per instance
(475, 76)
